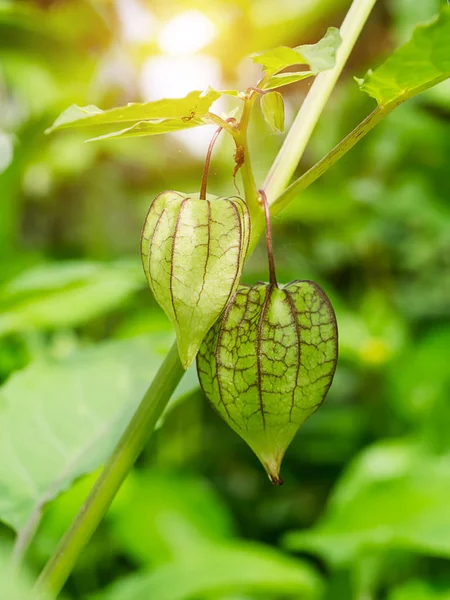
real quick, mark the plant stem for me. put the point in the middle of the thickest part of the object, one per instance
(208, 163)
(248, 180)
(269, 246)
(225, 124)
(299, 134)
(252, 196)
(331, 158)
(59, 567)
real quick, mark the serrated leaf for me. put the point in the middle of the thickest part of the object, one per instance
(60, 419)
(320, 56)
(193, 106)
(272, 106)
(193, 253)
(72, 116)
(421, 63)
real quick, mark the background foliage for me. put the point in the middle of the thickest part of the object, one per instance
(364, 509)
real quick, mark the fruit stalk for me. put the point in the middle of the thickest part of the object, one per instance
(208, 163)
(272, 274)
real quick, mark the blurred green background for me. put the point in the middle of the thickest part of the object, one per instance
(365, 509)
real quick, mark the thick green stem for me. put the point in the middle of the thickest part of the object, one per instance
(299, 134)
(250, 190)
(251, 193)
(59, 567)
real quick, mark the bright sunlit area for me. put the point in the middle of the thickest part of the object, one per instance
(186, 33)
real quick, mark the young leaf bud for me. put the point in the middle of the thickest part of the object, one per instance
(193, 252)
(266, 366)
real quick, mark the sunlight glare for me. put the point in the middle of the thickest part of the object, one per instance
(186, 33)
(137, 22)
(170, 77)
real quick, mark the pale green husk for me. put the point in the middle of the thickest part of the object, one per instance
(193, 252)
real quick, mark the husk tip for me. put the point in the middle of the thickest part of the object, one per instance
(276, 479)
(272, 467)
(187, 354)
(186, 361)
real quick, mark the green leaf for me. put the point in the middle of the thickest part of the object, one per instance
(320, 56)
(277, 59)
(420, 380)
(14, 585)
(143, 128)
(272, 106)
(421, 63)
(177, 525)
(179, 112)
(66, 294)
(193, 253)
(197, 514)
(60, 419)
(225, 568)
(281, 79)
(394, 496)
(417, 589)
(73, 116)
(267, 365)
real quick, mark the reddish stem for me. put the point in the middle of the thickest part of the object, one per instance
(207, 163)
(272, 275)
(258, 90)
